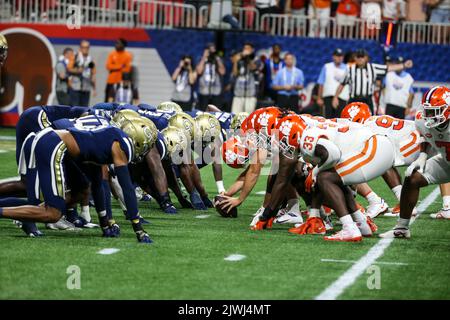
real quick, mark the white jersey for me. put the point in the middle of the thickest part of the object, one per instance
(403, 135)
(347, 139)
(439, 139)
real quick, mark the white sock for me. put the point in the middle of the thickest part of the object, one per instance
(347, 221)
(397, 191)
(446, 202)
(220, 187)
(293, 206)
(85, 214)
(314, 213)
(403, 223)
(373, 198)
(358, 216)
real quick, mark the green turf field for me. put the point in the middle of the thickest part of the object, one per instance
(186, 260)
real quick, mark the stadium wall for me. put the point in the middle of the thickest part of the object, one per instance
(28, 79)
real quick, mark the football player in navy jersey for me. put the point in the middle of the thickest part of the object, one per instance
(50, 151)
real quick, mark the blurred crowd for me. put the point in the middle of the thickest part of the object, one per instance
(76, 76)
(257, 79)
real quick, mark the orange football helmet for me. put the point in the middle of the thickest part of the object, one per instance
(265, 122)
(436, 106)
(290, 129)
(356, 112)
(235, 153)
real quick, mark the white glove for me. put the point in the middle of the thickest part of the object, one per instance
(418, 165)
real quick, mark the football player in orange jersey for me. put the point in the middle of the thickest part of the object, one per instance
(434, 125)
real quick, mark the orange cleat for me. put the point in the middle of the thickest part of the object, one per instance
(360, 207)
(311, 226)
(372, 224)
(261, 225)
(396, 209)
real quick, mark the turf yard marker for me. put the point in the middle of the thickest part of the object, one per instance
(261, 193)
(353, 261)
(349, 277)
(8, 138)
(9, 179)
(107, 251)
(203, 216)
(235, 257)
(3, 151)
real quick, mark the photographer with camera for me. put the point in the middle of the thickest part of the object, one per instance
(244, 73)
(184, 78)
(82, 76)
(210, 70)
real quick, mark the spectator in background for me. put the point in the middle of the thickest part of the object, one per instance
(118, 62)
(331, 75)
(295, 7)
(288, 82)
(125, 92)
(184, 78)
(244, 73)
(82, 76)
(440, 10)
(319, 12)
(371, 13)
(393, 10)
(271, 68)
(62, 77)
(267, 6)
(346, 14)
(210, 71)
(398, 92)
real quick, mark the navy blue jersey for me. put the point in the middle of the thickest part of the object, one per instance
(95, 145)
(224, 119)
(159, 118)
(60, 112)
(146, 107)
(90, 122)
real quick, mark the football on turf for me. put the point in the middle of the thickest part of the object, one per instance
(231, 214)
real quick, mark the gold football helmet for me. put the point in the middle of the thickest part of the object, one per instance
(3, 49)
(123, 116)
(208, 127)
(237, 120)
(184, 122)
(169, 106)
(143, 134)
(175, 140)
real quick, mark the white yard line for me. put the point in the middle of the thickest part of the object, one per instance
(349, 277)
(235, 257)
(353, 261)
(108, 251)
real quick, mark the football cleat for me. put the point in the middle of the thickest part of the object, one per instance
(62, 224)
(31, 229)
(345, 235)
(112, 231)
(256, 216)
(364, 228)
(168, 207)
(442, 214)
(143, 237)
(395, 212)
(328, 224)
(312, 225)
(397, 233)
(372, 224)
(289, 217)
(263, 224)
(143, 221)
(146, 197)
(375, 209)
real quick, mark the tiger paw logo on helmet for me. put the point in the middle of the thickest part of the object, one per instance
(263, 119)
(286, 127)
(353, 111)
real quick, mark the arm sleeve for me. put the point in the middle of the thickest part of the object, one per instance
(346, 79)
(321, 79)
(380, 69)
(129, 194)
(98, 194)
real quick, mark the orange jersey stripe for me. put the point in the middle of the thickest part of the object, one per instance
(409, 144)
(354, 158)
(364, 162)
(410, 152)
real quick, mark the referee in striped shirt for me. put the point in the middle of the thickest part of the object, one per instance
(361, 78)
